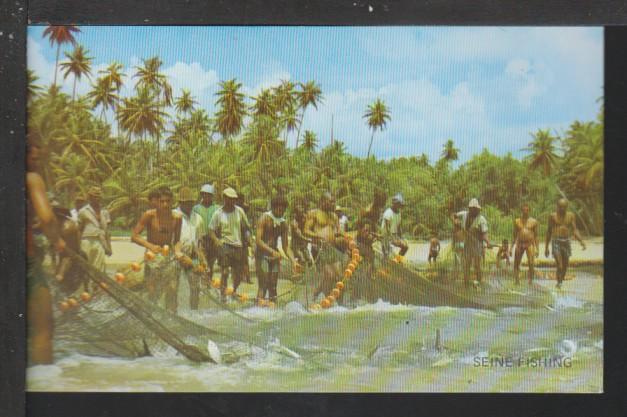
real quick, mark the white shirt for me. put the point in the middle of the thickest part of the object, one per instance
(343, 223)
(394, 219)
(191, 231)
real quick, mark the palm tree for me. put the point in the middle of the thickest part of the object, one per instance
(543, 151)
(142, 114)
(113, 74)
(78, 64)
(32, 89)
(289, 119)
(263, 104)
(60, 35)
(185, 103)
(309, 95)
(310, 141)
(73, 173)
(229, 119)
(284, 96)
(450, 152)
(377, 115)
(102, 95)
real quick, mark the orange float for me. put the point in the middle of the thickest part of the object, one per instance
(352, 245)
(119, 277)
(339, 285)
(347, 273)
(243, 297)
(315, 307)
(229, 291)
(355, 252)
(103, 285)
(64, 306)
(165, 250)
(331, 299)
(350, 267)
(85, 296)
(215, 283)
(149, 255)
(325, 303)
(335, 293)
(136, 267)
(271, 304)
(72, 302)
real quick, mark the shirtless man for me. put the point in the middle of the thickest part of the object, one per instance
(40, 222)
(322, 226)
(163, 227)
(367, 226)
(270, 227)
(434, 249)
(561, 223)
(526, 241)
(299, 242)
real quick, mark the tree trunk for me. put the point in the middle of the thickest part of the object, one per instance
(300, 124)
(74, 89)
(56, 64)
(370, 146)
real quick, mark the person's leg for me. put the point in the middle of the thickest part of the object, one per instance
(40, 325)
(237, 270)
(193, 280)
(261, 278)
(273, 279)
(478, 262)
(403, 247)
(171, 290)
(557, 255)
(224, 276)
(518, 254)
(531, 259)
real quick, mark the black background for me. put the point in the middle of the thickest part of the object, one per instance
(13, 20)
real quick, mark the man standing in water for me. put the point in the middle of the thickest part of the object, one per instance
(322, 226)
(205, 209)
(475, 229)
(391, 227)
(270, 227)
(299, 242)
(187, 251)
(40, 222)
(93, 223)
(163, 230)
(526, 241)
(367, 225)
(561, 223)
(434, 249)
(226, 230)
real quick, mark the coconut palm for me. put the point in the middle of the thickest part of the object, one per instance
(102, 95)
(78, 64)
(73, 173)
(60, 35)
(450, 152)
(543, 151)
(32, 89)
(377, 115)
(185, 103)
(79, 136)
(309, 95)
(310, 141)
(142, 114)
(289, 120)
(264, 104)
(114, 76)
(263, 139)
(284, 96)
(229, 119)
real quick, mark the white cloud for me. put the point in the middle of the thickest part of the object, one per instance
(190, 76)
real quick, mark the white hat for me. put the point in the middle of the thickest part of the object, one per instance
(229, 192)
(474, 203)
(207, 188)
(398, 198)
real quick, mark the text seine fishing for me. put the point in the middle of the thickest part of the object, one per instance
(519, 362)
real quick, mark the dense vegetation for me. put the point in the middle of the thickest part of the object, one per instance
(160, 137)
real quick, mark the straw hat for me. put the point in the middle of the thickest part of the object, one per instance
(229, 192)
(474, 203)
(186, 194)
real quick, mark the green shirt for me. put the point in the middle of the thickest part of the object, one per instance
(206, 213)
(228, 226)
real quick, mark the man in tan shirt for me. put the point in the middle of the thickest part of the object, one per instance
(93, 222)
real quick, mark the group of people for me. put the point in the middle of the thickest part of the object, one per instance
(198, 232)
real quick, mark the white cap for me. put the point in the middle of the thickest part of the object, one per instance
(474, 203)
(207, 188)
(398, 198)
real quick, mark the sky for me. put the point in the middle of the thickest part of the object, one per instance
(482, 87)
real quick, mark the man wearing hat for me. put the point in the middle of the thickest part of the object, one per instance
(187, 250)
(226, 230)
(391, 229)
(93, 223)
(205, 209)
(475, 228)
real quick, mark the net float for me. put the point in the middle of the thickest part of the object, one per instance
(229, 291)
(347, 273)
(339, 285)
(103, 285)
(136, 267)
(243, 297)
(64, 306)
(331, 299)
(85, 296)
(351, 267)
(72, 302)
(149, 255)
(271, 304)
(165, 250)
(353, 264)
(215, 283)
(352, 245)
(355, 252)
(119, 277)
(262, 302)
(335, 293)
(315, 307)
(325, 303)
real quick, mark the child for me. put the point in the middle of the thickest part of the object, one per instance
(503, 253)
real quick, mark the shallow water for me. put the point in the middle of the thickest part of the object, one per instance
(373, 347)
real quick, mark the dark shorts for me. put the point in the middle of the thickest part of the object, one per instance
(268, 265)
(231, 256)
(561, 247)
(433, 254)
(473, 249)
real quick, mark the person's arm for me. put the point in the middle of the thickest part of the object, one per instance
(297, 232)
(214, 226)
(549, 233)
(576, 232)
(261, 245)
(108, 248)
(286, 248)
(514, 238)
(310, 222)
(47, 220)
(438, 245)
(536, 234)
(138, 229)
